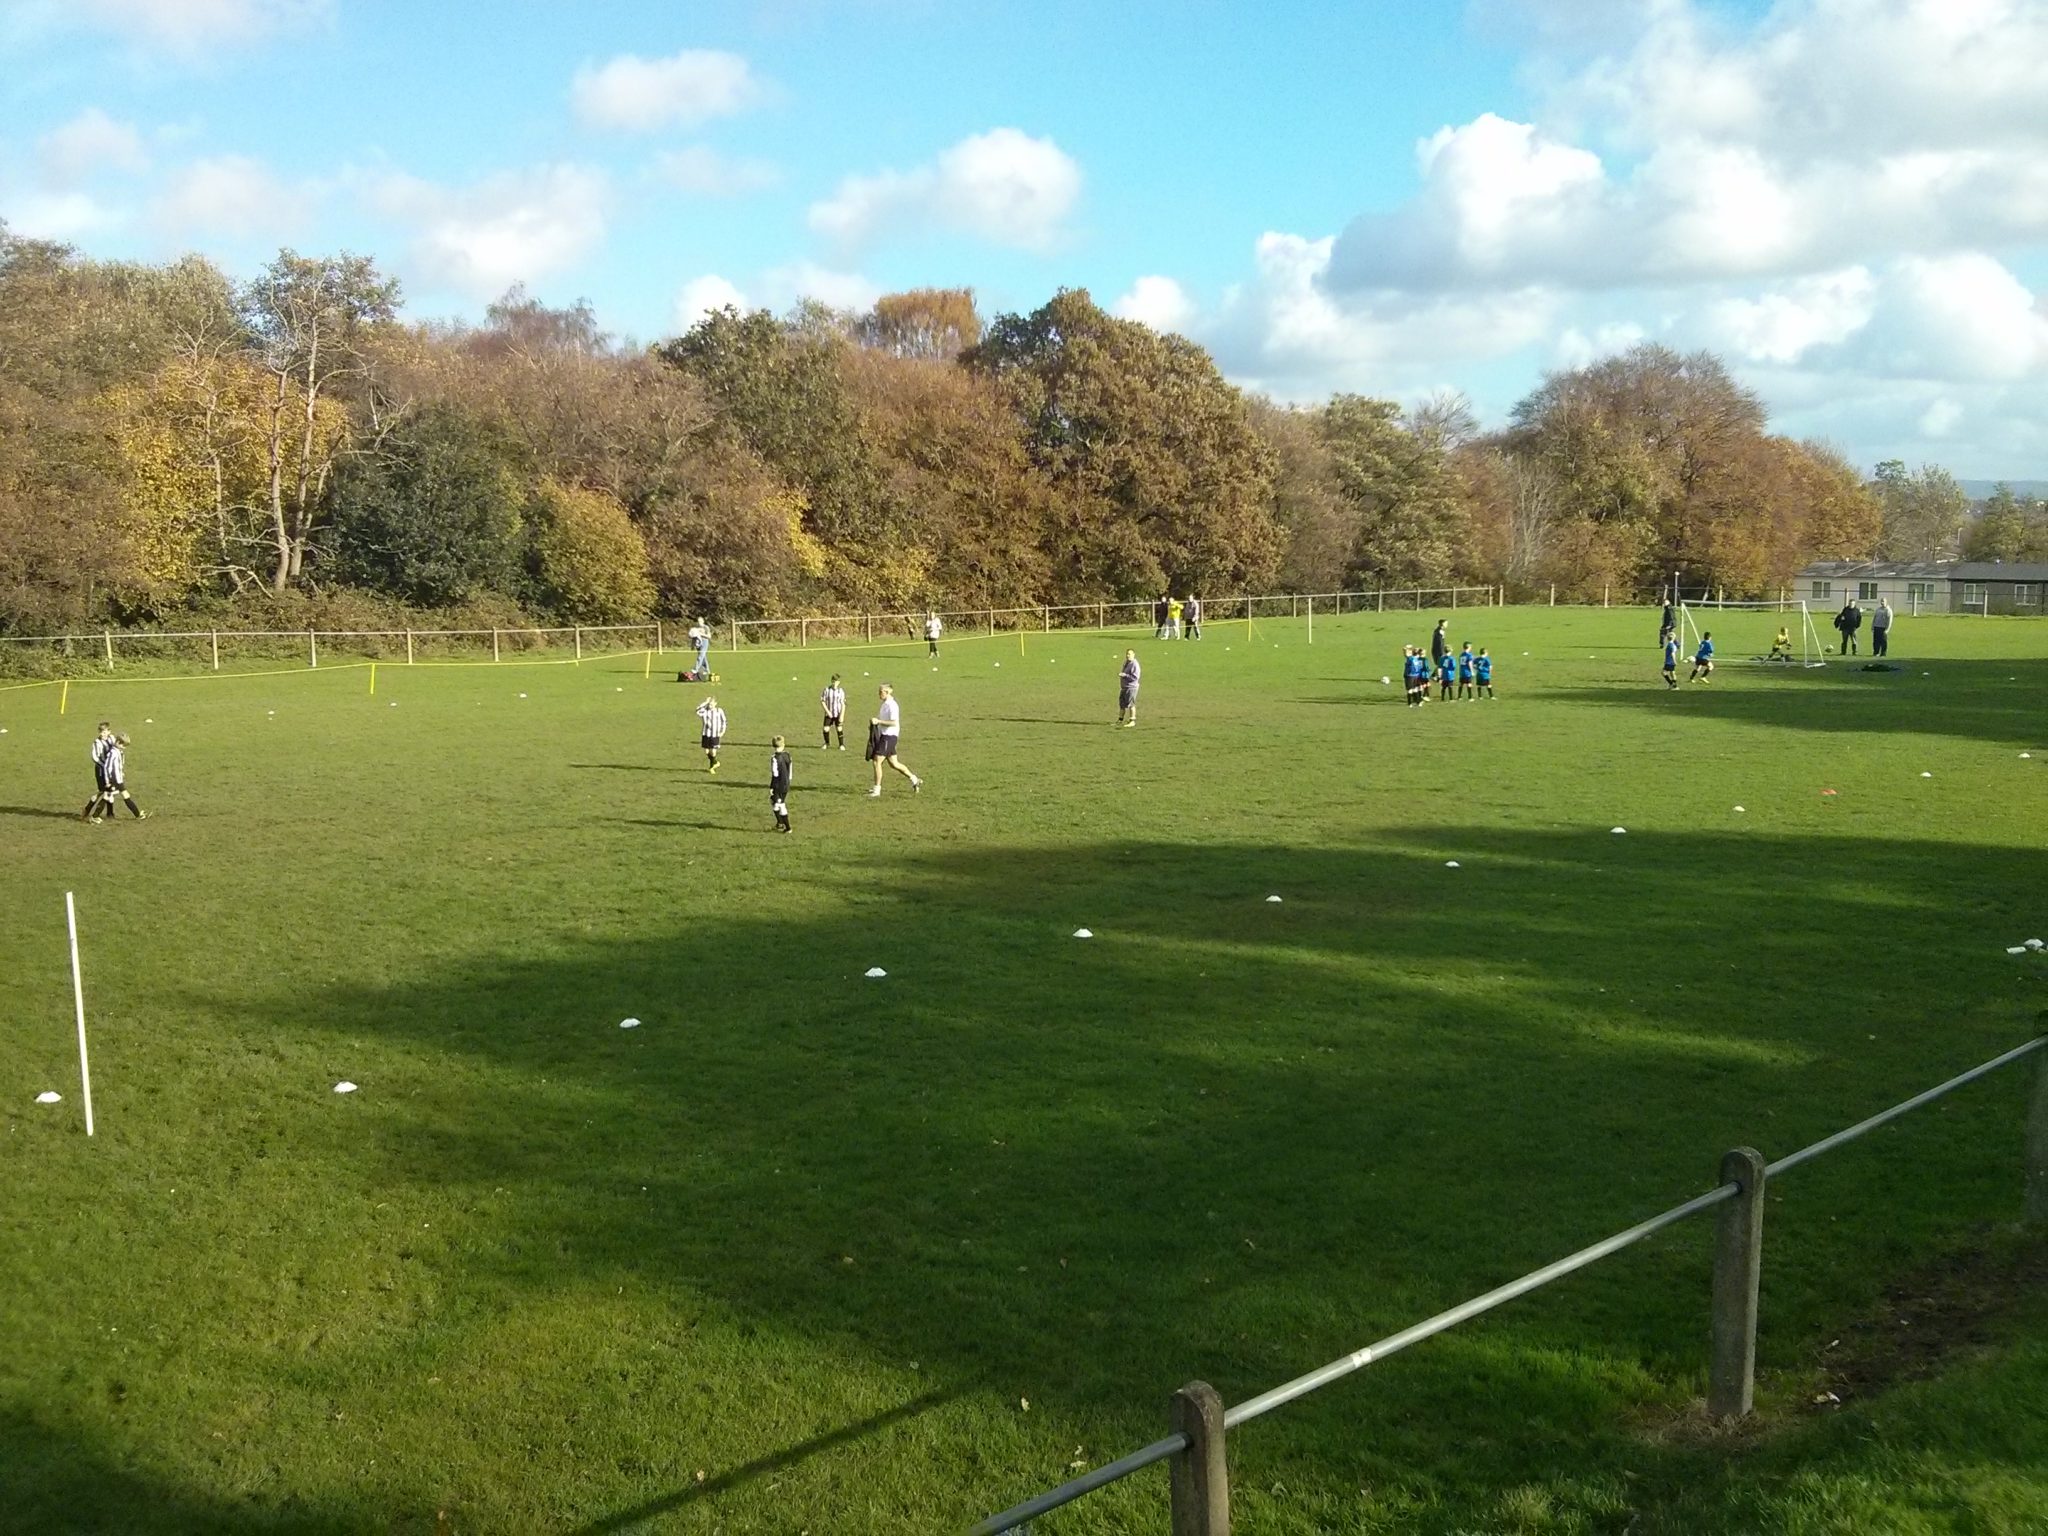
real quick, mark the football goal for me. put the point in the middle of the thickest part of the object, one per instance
(1769, 632)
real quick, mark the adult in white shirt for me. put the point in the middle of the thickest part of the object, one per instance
(700, 639)
(885, 731)
(932, 630)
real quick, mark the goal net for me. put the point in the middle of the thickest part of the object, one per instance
(1775, 633)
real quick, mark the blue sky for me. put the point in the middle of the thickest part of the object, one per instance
(1847, 199)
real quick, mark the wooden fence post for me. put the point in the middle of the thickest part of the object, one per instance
(494, 645)
(803, 633)
(312, 649)
(1200, 1475)
(1738, 1270)
(108, 636)
(216, 650)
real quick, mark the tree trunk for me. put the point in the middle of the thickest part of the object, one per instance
(302, 514)
(281, 577)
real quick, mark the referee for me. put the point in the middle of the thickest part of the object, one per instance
(885, 730)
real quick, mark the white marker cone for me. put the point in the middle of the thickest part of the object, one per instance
(2036, 944)
(629, 1023)
(1083, 933)
(49, 1096)
(2016, 949)
(1738, 808)
(1450, 863)
(876, 972)
(1272, 898)
(1926, 775)
(1619, 830)
(344, 1087)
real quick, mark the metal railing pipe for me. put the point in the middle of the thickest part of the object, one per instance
(1393, 1343)
(1109, 1472)
(1792, 1160)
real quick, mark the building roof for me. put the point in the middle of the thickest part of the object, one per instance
(1876, 570)
(2000, 570)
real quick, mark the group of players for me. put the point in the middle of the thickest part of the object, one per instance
(109, 777)
(885, 735)
(1465, 675)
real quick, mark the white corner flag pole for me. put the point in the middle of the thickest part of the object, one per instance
(78, 997)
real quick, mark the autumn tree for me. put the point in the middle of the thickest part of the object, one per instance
(1167, 485)
(589, 563)
(930, 323)
(1922, 511)
(434, 517)
(1317, 526)
(314, 320)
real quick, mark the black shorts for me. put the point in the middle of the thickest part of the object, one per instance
(835, 722)
(710, 742)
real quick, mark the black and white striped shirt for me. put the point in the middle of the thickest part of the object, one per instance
(115, 763)
(834, 702)
(713, 718)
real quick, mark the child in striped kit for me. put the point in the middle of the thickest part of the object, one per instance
(833, 701)
(113, 775)
(714, 731)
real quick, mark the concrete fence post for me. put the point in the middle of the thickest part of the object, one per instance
(1738, 1272)
(1200, 1475)
(2037, 1145)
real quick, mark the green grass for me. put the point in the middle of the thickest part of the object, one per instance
(797, 1253)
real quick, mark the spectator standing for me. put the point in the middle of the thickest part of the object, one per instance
(1881, 628)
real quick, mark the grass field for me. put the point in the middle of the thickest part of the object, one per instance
(812, 1252)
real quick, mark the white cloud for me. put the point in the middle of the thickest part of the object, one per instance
(230, 196)
(190, 26)
(1580, 348)
(1960, 317)
(702, 295)
(57, 215)
(88, 144)
(629, 94)
(1783, 324)
(1287, 333)
(1693, 150)
(515, 227)
(1940, 418)
(781, 287)
(1003, 186)
(1159, 302)
(703, 172)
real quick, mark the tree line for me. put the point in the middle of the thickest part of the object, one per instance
(177, 443)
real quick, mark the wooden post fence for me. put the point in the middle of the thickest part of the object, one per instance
(1199, 1475)
(1738, 1270)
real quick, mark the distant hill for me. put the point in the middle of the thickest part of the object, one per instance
(1977, 490)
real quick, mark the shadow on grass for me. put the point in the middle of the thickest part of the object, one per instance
(767, 1466)
(1232, 1139)
(40, 812)
(1997, 701)
(52, 1480)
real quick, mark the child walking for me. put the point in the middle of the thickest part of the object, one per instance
(781, 774)
(1127, 690)
(102, 740)
(714, 731)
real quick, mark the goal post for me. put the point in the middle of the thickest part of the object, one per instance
(1748, 630)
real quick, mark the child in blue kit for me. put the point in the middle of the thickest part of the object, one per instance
(1482, 671)
(1703, 658)
(1447, 674)
(1414, 674)
(1465, 690)
(1670, 660)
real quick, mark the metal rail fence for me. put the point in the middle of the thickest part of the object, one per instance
(205, 647)
(1199, 1476)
